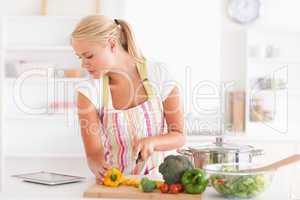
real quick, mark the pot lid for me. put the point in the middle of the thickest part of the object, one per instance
(222, 148)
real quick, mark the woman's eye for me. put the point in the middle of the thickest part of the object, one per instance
(89, 57)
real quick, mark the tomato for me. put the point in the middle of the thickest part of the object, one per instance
(164, 188)
(221, 181)
(175, 188)
(180, 187)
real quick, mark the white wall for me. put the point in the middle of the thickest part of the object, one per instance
(113, 8)
(178, 38)
(185, 34)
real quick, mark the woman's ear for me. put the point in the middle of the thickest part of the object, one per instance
(112, 44)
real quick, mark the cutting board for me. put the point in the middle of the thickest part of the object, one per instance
(127, 192)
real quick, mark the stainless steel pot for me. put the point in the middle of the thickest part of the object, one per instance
(220, 153)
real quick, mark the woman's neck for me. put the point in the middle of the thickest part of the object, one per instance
(126, 70)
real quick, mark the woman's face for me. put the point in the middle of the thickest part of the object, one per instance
(95, 58)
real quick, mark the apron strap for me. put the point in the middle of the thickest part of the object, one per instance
(105, 91)
(142, 70)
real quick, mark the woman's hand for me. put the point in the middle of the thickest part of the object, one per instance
(98, 166)
(145, 146)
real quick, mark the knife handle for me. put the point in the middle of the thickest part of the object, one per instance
(139, 158)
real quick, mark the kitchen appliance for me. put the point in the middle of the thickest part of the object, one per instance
(220, 152)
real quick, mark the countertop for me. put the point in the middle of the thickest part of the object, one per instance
(16, 189)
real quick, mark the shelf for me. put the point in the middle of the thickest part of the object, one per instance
(273, 61)
(44, 80)
(47, 17)
(39, 48)
(37, 117)
(275, 91)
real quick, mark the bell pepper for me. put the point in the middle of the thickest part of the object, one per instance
(194, 181)
(113, 178)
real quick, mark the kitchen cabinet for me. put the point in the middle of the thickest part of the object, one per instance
(272, 67)
(264, 63)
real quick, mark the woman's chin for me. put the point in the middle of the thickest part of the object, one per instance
(94, 75)
(97, 75)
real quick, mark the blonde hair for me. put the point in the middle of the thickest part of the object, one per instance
(98, 28)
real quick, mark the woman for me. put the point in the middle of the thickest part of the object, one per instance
(133, 112)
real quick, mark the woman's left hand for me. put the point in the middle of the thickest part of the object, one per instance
(145, 146)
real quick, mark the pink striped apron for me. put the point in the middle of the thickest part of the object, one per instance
(121, 128)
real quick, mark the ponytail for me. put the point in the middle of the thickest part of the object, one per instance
(128, 41)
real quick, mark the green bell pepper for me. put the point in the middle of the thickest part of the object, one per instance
(194, 181)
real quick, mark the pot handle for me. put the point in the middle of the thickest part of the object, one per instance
(184, 152)
(257, 152)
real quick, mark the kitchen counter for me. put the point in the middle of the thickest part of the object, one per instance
(15, 189)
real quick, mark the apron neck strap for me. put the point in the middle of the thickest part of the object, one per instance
(142, 69)
(105, 91)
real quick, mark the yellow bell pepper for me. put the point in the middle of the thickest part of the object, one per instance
(113, 178)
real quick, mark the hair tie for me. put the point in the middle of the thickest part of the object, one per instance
(116, 21)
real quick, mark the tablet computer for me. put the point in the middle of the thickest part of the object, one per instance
(49, 178)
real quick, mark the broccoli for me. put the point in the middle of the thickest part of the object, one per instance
(147, 185)
(173, 168)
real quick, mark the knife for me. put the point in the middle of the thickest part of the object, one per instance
(139, 158)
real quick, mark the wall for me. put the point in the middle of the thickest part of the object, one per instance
(47, 136)
(113, 8)
(66, 139)
(275, 14)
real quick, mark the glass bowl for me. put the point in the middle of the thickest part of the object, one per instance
(228, 180)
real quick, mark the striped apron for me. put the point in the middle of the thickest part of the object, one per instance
(122, 128)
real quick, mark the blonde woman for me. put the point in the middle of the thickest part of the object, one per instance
(131, 112)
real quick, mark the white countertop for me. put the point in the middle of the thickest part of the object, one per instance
(16, 189)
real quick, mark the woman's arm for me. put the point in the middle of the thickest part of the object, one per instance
(173, 112)
(90, 132)
(89, 124)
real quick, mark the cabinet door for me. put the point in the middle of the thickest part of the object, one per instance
(268, 99)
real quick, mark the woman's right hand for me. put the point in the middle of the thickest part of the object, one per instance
(98, 166)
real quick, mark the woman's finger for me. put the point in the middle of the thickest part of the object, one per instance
(106, 166)
(145, 154)
(101, 173)
(98, 177)
(99, 180)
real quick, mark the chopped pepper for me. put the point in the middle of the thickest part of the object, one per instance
(113, 178)
(195, 181)
(131, 182)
